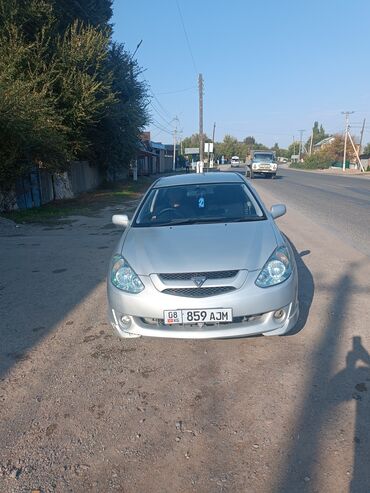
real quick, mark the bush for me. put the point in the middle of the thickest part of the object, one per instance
(318, 161)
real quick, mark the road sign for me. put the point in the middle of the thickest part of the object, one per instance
(208, 147)
(191, 150)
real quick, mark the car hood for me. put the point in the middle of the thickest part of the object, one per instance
(199, 247)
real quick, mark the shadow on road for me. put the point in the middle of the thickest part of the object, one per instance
(322, 395)
(46, 272)
(352, 383)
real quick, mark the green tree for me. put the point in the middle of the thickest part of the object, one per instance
(329, 154)
(193, 141)
(318, 134)
(228, 147)
(250, 141)
(96, 13)
(66, 91)
(117, 134)
(367, 149)
(293, 149)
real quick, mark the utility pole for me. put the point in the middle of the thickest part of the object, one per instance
(174, 145)
(300, 143)
(201, 136)
(311, 143)
(213, 142)
(361, 136)
(294, 145)
(346, 114)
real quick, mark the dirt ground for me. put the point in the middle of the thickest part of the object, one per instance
(81, 410)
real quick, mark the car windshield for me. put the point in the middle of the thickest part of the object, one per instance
(263, 157)
(192, 204)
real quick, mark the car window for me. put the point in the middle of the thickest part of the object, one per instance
(198, 203)
(263, 157)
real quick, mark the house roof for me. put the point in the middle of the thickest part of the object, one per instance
(157, 145)
(325, 141)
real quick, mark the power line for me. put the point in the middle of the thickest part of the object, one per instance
(161, 128)
(176, 92)
(186, 37)
(159, 124)
(161, 115)
(160, 105)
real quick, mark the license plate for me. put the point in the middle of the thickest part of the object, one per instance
(215, 315)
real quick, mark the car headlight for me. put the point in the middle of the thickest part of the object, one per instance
(254, 166)
(124, 277)
(276, 270)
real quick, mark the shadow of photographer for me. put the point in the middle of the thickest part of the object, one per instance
(352, 383)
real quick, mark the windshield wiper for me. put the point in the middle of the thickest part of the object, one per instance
(195, 220)
(205, 220)
(245, 219)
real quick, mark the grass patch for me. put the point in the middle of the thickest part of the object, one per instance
(86, 204)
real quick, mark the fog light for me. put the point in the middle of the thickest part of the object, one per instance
(279, 314)
(125, 322)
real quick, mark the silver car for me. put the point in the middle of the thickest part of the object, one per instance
(202, 258)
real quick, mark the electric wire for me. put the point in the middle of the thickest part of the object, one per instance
(160, 105)
(176, 92)
(186, 37)
(160, 126)
(160, 114)
(161, 129)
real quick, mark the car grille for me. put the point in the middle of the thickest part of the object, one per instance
(199, 292)
(187, 276)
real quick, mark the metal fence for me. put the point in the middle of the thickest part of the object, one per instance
(39, 186)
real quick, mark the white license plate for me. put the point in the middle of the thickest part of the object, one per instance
(215, 315)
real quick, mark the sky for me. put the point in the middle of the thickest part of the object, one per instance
(270, 67)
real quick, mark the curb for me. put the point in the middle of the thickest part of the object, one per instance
(330, 173)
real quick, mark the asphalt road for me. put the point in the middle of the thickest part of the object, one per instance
(81, 410)
(340, 204)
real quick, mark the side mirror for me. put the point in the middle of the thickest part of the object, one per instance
(278, 210)
(120, 220)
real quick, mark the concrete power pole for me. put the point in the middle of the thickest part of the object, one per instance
(201, 136)
(361, 136)
(300, 143)
(213, 143)
(311, 142)
(174, 145)
(346, 115)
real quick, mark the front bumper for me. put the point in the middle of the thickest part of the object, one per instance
(264, 171)
(253, 311)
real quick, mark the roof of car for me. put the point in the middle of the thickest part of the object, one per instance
(198, 178)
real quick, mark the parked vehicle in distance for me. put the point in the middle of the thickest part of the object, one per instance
(263, 163)
(235, 160)
(202, 258)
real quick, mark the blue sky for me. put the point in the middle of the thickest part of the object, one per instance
(270, 67)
